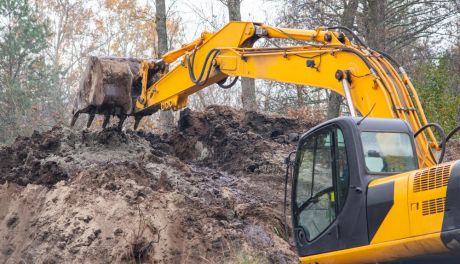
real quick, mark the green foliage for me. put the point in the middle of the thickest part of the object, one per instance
(24, 75)
(437, 85)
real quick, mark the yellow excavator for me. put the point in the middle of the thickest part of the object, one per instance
(367, 188)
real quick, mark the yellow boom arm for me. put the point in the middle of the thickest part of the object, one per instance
(325, 59)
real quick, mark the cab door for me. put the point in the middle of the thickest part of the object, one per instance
(328, 202)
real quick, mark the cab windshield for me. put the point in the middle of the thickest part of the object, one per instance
(388, 152)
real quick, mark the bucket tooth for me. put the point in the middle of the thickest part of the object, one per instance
(137, 120)
(120, 123)
(106, 121)
(90, 120)
(74, 119)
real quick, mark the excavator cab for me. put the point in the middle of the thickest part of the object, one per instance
(334, 164)
(359, 195)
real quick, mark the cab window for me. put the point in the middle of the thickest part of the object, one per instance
(321, 182)
(388, 152)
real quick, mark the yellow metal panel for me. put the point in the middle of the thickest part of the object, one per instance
(396, 224)
(427, 199)
(382, 252)
(290, 67)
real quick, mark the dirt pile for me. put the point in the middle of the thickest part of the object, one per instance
(452, 150)
(209, 192)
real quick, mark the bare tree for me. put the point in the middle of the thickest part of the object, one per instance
(394, 26)
(348, 20)
(314, 13)
(166, 117)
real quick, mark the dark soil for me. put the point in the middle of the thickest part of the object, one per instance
(23, 161)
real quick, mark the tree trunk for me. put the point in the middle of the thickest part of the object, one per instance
(234, 11)
(348, 20)
(166, 117)
(300, 96)
(375, 24)
(333, 107)
(248, 87)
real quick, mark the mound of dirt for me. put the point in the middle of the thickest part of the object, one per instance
(452, 150)
(211, 191)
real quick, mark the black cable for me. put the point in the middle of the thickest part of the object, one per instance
(227, 86)
(289, 165)
(443, 142)
(370, 111)
(355, 37)
(387, 56)
(212, 54)
(364, 59)
(451, 133)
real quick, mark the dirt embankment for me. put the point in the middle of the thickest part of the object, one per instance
(210, 192)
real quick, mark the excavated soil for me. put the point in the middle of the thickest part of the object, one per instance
(211, 191)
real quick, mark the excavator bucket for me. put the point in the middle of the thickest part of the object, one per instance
(110, 86)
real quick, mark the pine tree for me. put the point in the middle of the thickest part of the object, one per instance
(23, 70)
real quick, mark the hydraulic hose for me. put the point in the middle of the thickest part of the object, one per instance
(355, 37)
(212, 54)
(227, 86)
(451, 133)
(443, 142)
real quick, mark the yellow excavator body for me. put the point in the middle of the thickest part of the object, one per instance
(370, 188)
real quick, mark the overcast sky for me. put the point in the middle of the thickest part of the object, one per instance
(192, 13)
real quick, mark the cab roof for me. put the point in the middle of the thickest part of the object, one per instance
(375, 124)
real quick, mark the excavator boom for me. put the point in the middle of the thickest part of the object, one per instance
(322, 58)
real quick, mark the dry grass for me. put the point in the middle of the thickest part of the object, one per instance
(139, 247)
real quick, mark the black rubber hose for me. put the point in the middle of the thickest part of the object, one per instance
(355, 37)
(391, 59)
(444, 139)
(451, 133)
(227, 86)
(191, 65)
(212, 54)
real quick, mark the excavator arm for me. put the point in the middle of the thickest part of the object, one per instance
(322, 58)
